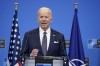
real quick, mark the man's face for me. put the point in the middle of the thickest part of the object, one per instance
(44, 17)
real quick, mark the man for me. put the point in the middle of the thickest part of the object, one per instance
(33, 42)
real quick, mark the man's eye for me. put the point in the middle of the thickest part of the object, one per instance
(46, 17)
(41, 16)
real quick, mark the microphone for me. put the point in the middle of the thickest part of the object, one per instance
(65, 58)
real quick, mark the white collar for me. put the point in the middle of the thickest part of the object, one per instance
(42, 31)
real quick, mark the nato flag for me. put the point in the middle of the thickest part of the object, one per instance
(76, 51)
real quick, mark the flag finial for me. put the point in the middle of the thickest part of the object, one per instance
(16, 6)
(76, 5)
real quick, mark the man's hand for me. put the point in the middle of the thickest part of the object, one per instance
(34, 52)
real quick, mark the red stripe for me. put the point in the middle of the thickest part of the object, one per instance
(19, 63)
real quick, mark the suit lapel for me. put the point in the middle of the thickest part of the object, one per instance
(51, 41)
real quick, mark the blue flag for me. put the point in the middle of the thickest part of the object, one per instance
(15, 43)
(76, 51)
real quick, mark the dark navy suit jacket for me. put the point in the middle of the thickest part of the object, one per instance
(32, 41)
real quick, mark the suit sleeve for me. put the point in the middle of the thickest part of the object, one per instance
(25, 48)
(63, 47)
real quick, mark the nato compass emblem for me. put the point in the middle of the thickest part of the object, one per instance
(71, 63)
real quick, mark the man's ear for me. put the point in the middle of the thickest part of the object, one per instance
(51, 18)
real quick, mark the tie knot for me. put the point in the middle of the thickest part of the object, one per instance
(45, 33)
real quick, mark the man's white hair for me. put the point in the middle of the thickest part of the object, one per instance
(45, 8)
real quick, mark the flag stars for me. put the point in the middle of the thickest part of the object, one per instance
(16, 53)
(17, 19)
(22, 62)
(12, 46)
(17, 47)
(10, 57)
(15, 30)
(13, 19)
(16, 25)
(15, 58)
(17, 42)
(14, 36)
(19, 37)
(13, 41)
(12, 52)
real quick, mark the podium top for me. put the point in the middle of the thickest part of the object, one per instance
(45, 57)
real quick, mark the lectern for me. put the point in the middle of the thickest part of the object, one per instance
(44, 61)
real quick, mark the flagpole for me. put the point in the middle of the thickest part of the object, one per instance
(16, 6)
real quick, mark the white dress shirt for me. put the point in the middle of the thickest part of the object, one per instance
(48, 31)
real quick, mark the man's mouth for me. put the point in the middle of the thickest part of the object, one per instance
(43, 23)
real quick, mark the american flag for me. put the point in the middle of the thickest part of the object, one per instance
(15, 43)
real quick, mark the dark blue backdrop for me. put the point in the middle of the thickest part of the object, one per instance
(63, 12)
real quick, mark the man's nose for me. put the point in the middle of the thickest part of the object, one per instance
(44, 19)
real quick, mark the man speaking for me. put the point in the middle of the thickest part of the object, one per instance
(44, 41)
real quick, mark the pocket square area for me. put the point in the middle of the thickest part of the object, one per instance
(56, 42)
